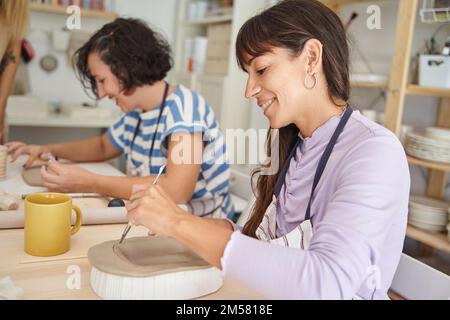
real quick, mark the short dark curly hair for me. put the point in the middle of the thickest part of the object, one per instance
(136, 54)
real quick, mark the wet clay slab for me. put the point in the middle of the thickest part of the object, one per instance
(144, 257)
(150, 268)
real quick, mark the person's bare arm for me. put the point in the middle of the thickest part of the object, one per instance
(154, 209)
(94, 149)
(6, 82)
(179, 182)
(206, 237)
(89, 150)
(183, 168)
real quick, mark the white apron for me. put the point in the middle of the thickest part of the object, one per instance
(299, 238)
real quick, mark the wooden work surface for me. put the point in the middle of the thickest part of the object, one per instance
(47, 278)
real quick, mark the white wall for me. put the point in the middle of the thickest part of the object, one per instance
(160, 14)
(62, 84)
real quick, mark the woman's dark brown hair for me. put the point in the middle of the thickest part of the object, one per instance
(290, 24)
(136, 54)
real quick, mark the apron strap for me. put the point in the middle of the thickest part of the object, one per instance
(138, 126)
(281, 178)
(322, 163)
(163, 105)
(135, 134)
(326, 156)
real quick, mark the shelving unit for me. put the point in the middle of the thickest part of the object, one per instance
(397, 89)
(417, 90)
(429, 164)
(369, 84)
(211, 20)
(224, 93)
(46, 8)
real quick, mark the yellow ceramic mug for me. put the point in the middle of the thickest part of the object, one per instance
(48, 224)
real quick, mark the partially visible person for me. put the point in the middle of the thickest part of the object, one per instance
(331, 223)
(163, 125)
(13, 27)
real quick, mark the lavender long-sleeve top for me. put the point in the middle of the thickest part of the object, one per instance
(359, 215)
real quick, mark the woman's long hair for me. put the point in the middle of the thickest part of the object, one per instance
(289, 25)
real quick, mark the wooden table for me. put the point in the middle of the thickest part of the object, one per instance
(53, 278)
(47, 278)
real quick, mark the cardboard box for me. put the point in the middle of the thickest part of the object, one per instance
(219, 32)
(218, 50)
(216, 67)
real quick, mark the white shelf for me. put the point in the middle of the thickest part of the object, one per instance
(429, 164)
(61, 10)
(61, 121)
(417, 90)
(210, 20)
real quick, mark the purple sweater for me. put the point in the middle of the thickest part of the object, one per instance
(359, 214)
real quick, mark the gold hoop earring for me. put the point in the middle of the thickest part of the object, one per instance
(314, 81)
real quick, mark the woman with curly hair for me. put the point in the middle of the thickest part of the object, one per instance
(13, 26)
(163, 125)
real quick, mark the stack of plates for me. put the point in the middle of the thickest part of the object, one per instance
(434, 145)
(438, 133)
(3, 156)
(428, 214)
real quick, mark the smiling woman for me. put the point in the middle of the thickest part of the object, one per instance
(127, 61)
(331, 224)
(134, 53)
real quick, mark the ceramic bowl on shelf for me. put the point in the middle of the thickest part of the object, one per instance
(428, 213)
(434, 220)
(426, 226)
(429, 148)
(438, 133)
(428, 202)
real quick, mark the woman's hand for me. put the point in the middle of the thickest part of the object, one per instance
(35, 152)
(154, 209)
(67, 178)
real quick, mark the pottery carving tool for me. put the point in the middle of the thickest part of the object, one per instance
(129, 225)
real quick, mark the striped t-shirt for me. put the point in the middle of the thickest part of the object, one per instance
(184, 111)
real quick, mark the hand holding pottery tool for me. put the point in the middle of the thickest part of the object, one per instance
(128, 227)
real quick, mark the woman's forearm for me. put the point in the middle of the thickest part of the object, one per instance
(118, 187)
(206, 237)
(122, 187)
(88, 150)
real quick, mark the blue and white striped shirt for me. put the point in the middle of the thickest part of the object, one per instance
(185, 111)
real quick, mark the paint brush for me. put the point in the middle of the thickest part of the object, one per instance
(129, 225)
